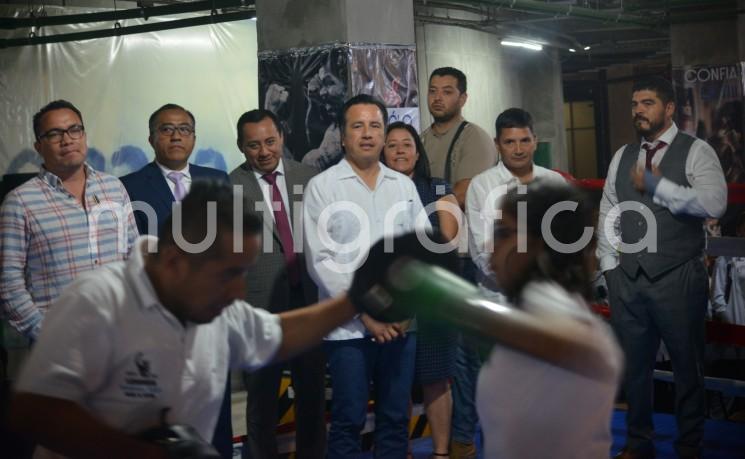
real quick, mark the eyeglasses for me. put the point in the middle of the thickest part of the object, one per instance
(169, 129)
(55, 135)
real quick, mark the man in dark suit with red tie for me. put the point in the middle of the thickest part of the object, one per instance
(278, 282)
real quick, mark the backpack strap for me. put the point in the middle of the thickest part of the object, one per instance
(449, 157)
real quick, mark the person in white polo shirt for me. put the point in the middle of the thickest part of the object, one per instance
(516, 142)
(128, 341)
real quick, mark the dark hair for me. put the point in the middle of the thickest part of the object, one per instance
(51, 106)
(421, 168)
(514, 118)
(453, 72)
(194, 212)
(151, 121)
(256, 116)
(662, 87)
(361, 99)
(571, 270)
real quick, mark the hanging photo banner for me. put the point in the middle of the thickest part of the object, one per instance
(385, 72)
(709, 101)
(307, 87)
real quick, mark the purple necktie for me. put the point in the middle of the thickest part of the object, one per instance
(651, 151)
(180, 190)
(282, 222)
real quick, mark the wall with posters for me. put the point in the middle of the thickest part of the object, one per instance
(306, 88)
(709, 103)
(118, 82)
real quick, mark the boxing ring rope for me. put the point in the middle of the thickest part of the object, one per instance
(716, 332)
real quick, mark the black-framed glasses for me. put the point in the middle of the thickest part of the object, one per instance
(55, 135)
(169, 129)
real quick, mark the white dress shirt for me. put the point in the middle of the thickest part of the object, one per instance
(186, 179)
(266, 190)
(705, 197)
(357, 216)
(110, 346)
(729, 274)
(482, 201)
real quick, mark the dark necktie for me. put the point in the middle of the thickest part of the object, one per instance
(282, 222)
(651, 151)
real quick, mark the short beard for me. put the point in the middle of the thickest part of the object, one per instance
(653, 130)
(447, 116)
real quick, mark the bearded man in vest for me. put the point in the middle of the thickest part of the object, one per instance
(658, 192)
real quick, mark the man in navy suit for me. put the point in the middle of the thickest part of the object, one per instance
(167, 179)
(164, 182)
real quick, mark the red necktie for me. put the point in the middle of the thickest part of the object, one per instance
(651, 151)
(282, 223)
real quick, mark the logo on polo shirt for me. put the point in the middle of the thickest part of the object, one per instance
(140, 381)
(143, 365)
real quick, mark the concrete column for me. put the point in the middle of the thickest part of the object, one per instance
(709, 43)
(620, 126)
(498, 78)
(543, 97)
(315, 55)
(704, 43)
(284, 24)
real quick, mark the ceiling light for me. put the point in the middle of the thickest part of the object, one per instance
(572, 50)
(586, 48)
(521, 44)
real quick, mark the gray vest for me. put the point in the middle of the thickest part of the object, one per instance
(679, 237)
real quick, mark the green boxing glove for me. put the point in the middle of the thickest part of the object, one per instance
(373, 285)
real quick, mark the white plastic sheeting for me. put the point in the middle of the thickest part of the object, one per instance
(118, 82)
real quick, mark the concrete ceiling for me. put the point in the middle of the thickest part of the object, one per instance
(602, 33)
(613, 31)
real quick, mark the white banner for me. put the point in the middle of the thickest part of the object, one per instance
(118, 82)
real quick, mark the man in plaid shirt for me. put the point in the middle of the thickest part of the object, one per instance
(67, 220)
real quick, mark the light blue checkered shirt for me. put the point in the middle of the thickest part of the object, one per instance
(47, 238)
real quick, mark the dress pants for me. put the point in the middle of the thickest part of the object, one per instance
(308, 382)
(308, 372)
(670, 308)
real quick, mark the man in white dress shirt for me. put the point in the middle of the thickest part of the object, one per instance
(666, 183)
(346, 209)
(516, 142)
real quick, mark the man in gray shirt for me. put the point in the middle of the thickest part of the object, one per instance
(457, 150)
(473, 150)
(658, 192)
